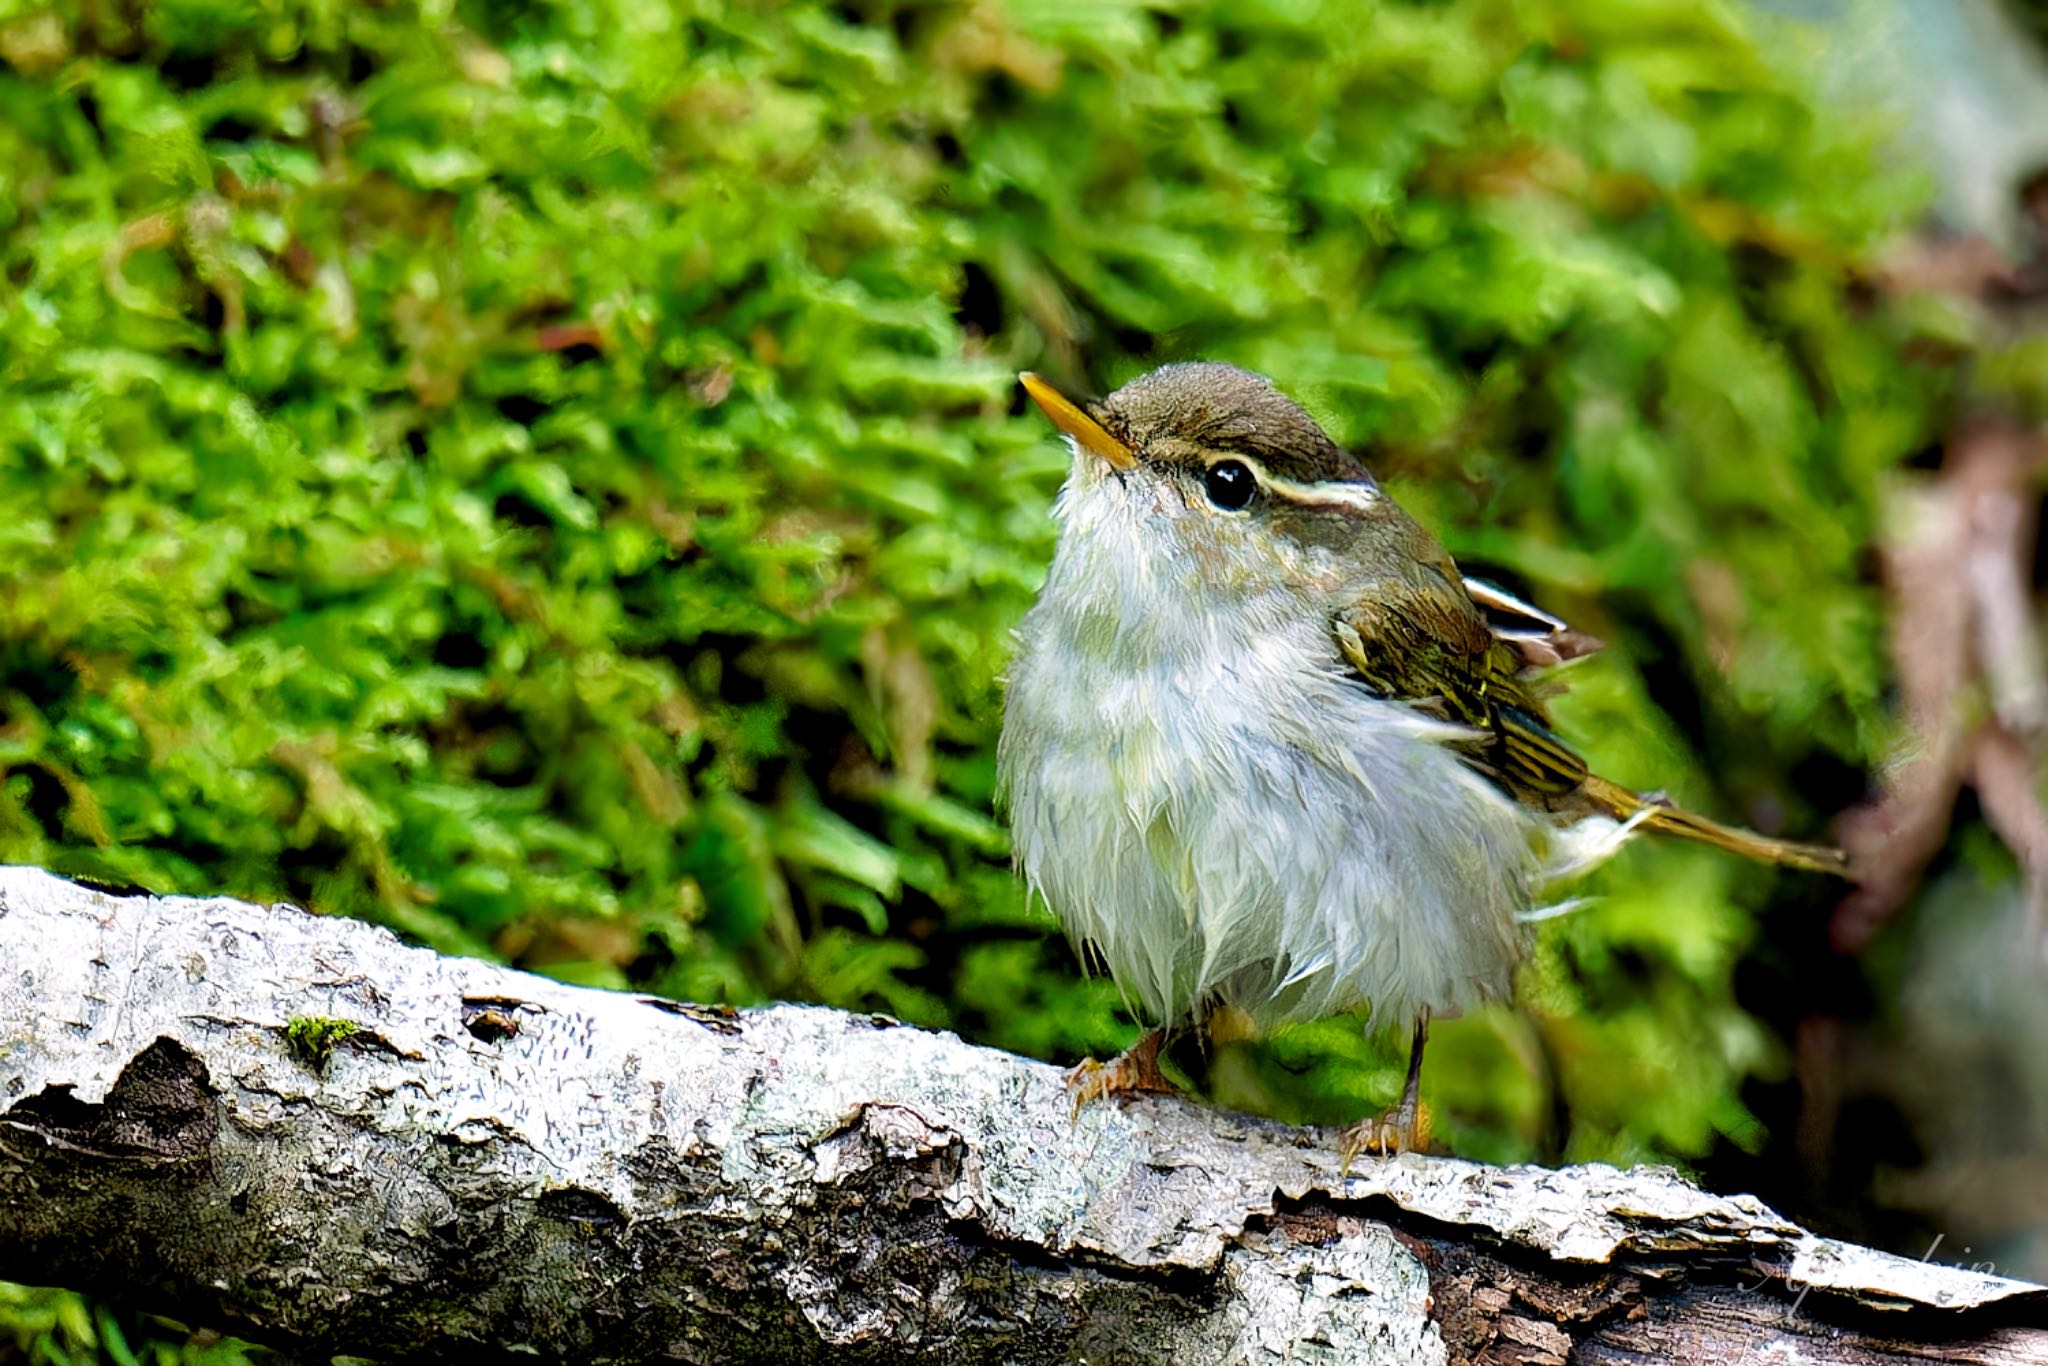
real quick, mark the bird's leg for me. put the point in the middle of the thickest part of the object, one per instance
(1131, 1072)
(1398, 1129)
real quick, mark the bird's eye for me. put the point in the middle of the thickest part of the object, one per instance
(1230, 484)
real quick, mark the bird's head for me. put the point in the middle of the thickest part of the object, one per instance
(1212, 467)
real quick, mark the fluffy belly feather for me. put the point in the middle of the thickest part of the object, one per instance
(1224, 816)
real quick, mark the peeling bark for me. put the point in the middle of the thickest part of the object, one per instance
(493, 1161)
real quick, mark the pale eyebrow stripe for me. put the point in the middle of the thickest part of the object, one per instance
(1324, 493)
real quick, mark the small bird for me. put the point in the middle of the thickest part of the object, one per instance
(1266, 749)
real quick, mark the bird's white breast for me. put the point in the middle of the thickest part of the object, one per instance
(1199, 791)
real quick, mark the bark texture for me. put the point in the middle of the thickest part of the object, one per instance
(305, 1131)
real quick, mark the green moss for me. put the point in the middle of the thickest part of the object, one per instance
(312, 1039)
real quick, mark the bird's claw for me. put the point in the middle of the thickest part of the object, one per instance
(1397, 1131)
(1135, 1071)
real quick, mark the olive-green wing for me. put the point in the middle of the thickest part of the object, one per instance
(1467, 650)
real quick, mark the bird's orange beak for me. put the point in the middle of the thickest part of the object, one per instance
(1069, 417)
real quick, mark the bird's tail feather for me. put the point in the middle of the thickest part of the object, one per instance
(1651, 814)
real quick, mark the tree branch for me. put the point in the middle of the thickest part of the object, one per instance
(494, 1161)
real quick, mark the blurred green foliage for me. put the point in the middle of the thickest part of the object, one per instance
(57, 1328)
(549, 478)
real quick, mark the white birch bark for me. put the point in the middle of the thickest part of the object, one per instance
(496, 1161)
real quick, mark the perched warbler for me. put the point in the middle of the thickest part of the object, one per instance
(1266, 749)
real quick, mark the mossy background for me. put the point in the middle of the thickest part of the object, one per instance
(550, 479)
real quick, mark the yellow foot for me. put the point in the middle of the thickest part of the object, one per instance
(1403, 1129)
(1135, 1071)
